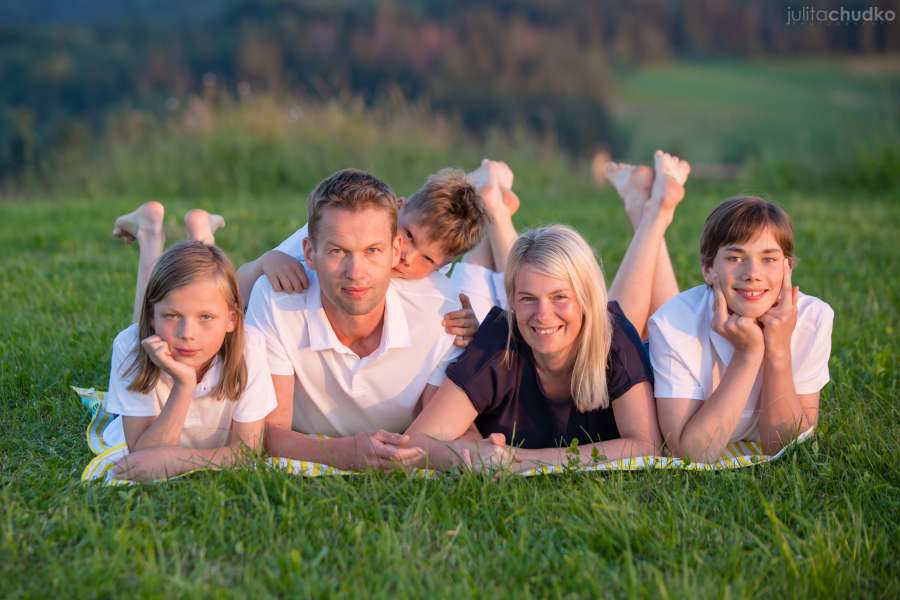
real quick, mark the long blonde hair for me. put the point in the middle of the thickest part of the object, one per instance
(559, 251)
(179, 266)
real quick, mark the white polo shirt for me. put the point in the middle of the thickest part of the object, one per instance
(338, 393)
(689, 358)
(208, 420)
(483, 287)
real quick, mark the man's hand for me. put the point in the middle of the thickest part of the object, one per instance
(385, 450)
(285, 273)
(159, 352)
(779, 321)
(745, 334)
(462, 323)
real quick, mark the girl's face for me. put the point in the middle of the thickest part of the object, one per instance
(547, 313)
(193, 320)
(750, 274)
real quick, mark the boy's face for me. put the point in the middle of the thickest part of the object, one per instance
(353, 257)
(750, 273)
(419, 255)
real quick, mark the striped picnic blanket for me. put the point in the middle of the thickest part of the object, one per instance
(106, 439)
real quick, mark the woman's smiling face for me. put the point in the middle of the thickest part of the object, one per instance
(547, 312)
(750, 274)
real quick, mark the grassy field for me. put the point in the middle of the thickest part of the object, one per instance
(821, 522)
(734, 111)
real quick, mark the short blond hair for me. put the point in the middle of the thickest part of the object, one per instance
(450, 210)
(559, 251)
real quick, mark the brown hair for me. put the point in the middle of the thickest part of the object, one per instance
(179, 266)
(450, 211)
(740, 219)
(350, 189)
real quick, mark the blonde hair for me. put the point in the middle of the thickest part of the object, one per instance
(179, 266)
(450, 210)
(559, 251)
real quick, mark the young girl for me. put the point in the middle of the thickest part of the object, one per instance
(743, 356)
(191, 384)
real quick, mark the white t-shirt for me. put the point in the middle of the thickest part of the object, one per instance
(338, 393)
(689, 358)
(483, 287)
(208, 420)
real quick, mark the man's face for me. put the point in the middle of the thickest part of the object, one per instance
(419, 255)
(353, 257)
(751, 274)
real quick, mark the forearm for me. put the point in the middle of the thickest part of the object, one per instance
(709, 430)
(336, 452)
(166, 428)
(587, 454)
(781, 415)
(247, 275)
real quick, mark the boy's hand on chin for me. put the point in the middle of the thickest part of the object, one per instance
(779, 321)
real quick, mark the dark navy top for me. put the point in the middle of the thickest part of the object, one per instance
(509, 398)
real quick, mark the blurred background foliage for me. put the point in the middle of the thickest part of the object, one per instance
(118, 94)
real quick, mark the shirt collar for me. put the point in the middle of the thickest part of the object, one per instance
(394, 334)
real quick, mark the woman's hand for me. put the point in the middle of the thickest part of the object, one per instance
(745, 334)
(779, 321)
(490, 453)
(159, 352)
(462, 323)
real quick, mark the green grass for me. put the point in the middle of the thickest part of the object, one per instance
(733, 111)
(821, 522)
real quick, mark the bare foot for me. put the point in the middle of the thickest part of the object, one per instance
(489, 171)
(202, 226)
(511, 200)
(598, 167)
(633, 182)
(668, 183)
(145, 221)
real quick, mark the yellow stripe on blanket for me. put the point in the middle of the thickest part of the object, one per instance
(745, 453)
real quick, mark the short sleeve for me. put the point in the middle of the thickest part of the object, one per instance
(119, 399)
(440, 373)
(258, 399)
(628, 360)
(672, 378)
(293, 245)
(260, 315)
(812, 346)
(481, 371)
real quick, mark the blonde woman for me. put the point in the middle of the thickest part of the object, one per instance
(561, 365)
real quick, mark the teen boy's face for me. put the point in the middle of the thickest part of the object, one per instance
(419, 255)
(353, 257)
(751, 273)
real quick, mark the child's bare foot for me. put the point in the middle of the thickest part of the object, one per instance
(511, 200)
(491, 171)
(202, 226)
(145, 221)
(668, 183)
(633, 182)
